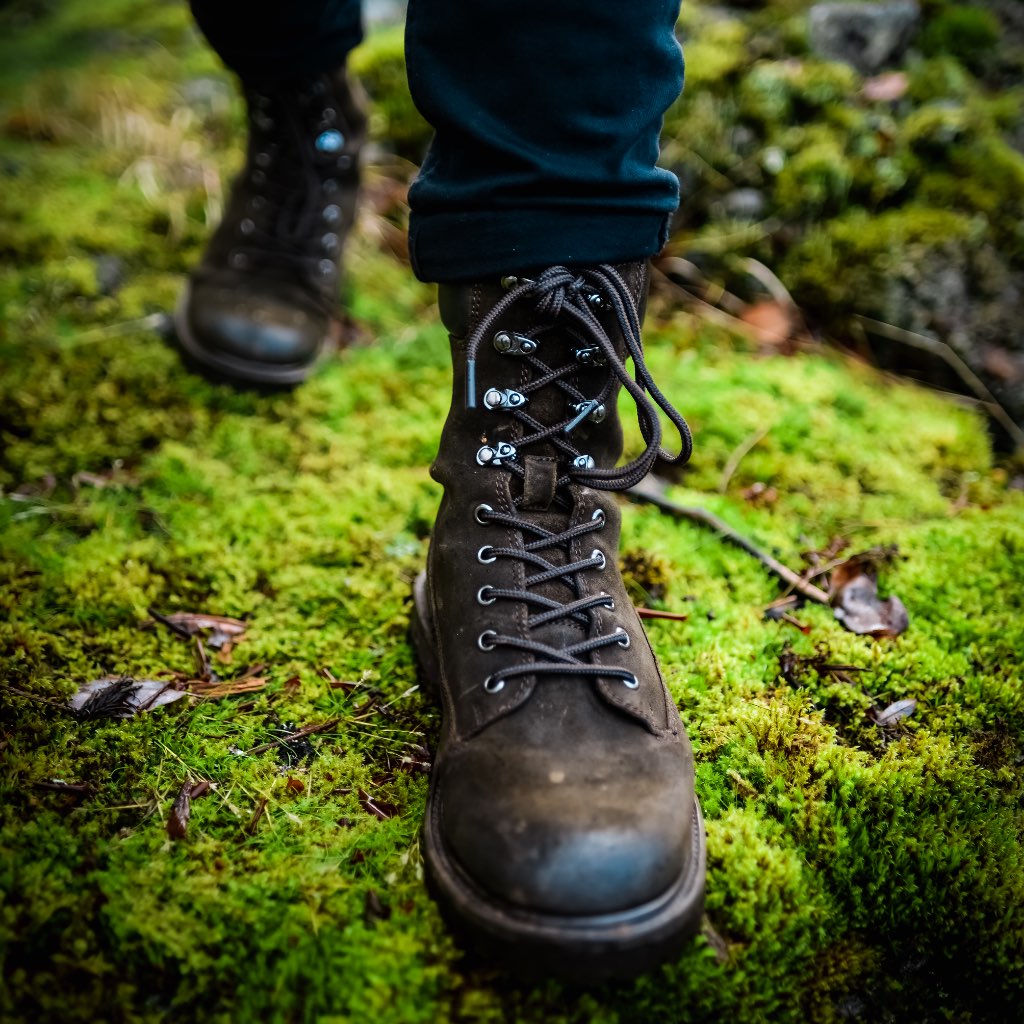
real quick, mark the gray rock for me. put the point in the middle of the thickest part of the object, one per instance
(744, 204)
(378, 13)
(867, 36)
(110, 273)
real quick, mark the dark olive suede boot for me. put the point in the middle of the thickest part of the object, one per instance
(262, 307)
(562, 831)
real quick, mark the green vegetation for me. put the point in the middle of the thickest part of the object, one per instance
(856, 871)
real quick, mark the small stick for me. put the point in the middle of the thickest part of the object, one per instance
(654, 613)
(652, 491)
(742, 450)
(170, 624)
(952, 359)
(78, 788)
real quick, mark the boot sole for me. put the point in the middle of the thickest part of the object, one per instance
(583, 949)
(233, 370)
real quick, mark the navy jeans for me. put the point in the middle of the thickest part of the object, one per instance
(547, 115)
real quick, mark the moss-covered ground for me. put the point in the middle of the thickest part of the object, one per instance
(855, 872)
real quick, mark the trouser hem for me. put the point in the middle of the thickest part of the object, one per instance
(459, 247)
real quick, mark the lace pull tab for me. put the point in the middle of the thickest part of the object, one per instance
(470, 383)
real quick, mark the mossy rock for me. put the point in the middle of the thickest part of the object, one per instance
(379, 63)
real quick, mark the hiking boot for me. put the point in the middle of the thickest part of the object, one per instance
(562, 832)
(263, 306)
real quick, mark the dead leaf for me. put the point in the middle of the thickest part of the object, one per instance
(886, 88)
(760, 494)
(773, 323)
(231, 688)
(895, 711)
(373, 909)
(295, 785)
(218, 630)
(181, 811)
(853, 594)
(121, 697)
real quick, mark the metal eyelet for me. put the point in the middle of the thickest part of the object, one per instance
(258, 178)
(247, 226)
(584, 462)
(344, 162)
(492, 685)
(510, 343)
(330, 186)
(624, 641)
(503, 398)
(332, 214)
(330, 141)
(632, 683)
(239, 260)
(480, 595)
(609, 602)
(262, 159)
(480, 557)
(599, 513)
(327, 267)
(598, 554)
(330, 242)
(480, 640)
(495, 455)
(481, 508)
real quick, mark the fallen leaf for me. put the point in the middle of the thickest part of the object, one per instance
(895, 711)
(760, 494)
(181, 811)
(373, 909)
(121, 697)
(217, 629)
(773, 323)
(853, 594)
(231, 688)
(886, 88)
(295, 785)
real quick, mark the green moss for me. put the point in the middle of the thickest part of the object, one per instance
(776, 92)
(968, 33)
(847, 862)
(857, 254)
(379, 63)
(816, 179)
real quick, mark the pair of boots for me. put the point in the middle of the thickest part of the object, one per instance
(562, 830)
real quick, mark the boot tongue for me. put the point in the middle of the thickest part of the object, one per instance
(539, 483)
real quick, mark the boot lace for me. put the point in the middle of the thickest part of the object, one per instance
(293, 218)
(566, 301)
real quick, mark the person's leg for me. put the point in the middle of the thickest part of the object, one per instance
(561, 825)
(547, 116)
(262, 307)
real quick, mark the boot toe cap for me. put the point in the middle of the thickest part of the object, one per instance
(254, 328)
(569, 849)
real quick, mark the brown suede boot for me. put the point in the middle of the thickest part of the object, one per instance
(562, 830)
(262, 307)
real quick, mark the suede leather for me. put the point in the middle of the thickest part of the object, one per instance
(562, 794)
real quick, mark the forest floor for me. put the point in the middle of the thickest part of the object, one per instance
(865, 863)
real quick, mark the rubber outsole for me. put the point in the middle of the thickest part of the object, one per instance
(583, 949)
(244, 371)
